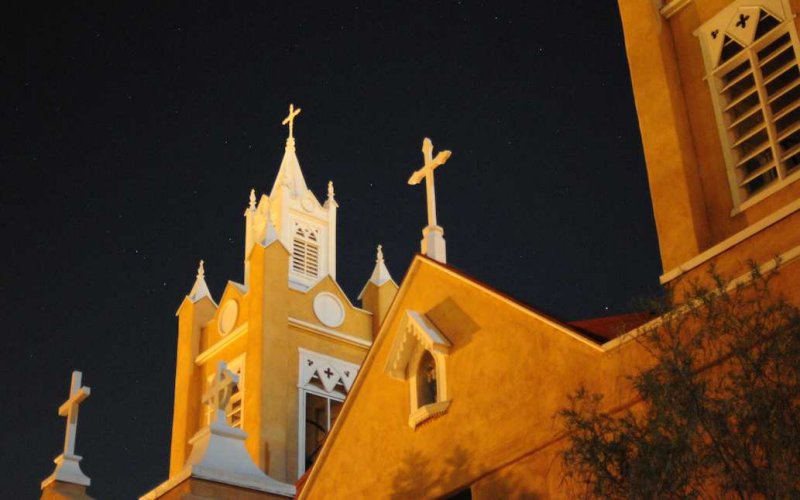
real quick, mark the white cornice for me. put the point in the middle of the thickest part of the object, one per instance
(328, 332)
(734, 240)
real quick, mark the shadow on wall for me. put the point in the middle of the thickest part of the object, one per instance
(415, 478)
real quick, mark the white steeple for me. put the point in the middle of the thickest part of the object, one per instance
(292, 214)
(200, 288)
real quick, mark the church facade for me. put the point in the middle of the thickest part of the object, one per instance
(443, 386)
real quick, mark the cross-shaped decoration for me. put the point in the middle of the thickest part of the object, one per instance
(433, 240)
(68, 468)
(742, 22)
(219, 394)
(328, 372)
(69, 409)
(714, 34)
(290, 119)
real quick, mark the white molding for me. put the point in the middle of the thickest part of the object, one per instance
(423, 413)
(767, 192)
(785, 258)
(220, 345)
(673, 7)
(731, 241)
(328, 332)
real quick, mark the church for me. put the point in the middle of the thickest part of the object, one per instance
(437, 385)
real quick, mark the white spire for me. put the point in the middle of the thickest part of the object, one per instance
(68, 467)
(252, 199)
(380, 274)
(200, 288)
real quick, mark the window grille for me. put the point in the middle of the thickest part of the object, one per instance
(305, 251)
(757, 87)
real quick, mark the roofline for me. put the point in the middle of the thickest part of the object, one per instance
(380, 338)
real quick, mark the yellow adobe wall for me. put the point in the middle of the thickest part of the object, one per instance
(508, 372)
(270, 345)
(686, 168)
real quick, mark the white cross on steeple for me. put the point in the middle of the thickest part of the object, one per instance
(69, 409)
(67, 464)
(433, 244)
(290, 120)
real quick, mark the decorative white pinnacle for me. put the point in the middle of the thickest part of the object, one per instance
(433, 244)
(252, 199)
(380, 274)
(200, 288)
(68, 468)
(330, 190)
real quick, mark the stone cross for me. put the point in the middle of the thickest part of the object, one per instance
(433, 244)
(69, 409)
(219, 394)
(290, 119)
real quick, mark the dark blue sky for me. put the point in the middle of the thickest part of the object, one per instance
(132, 134)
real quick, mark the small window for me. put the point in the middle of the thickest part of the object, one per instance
(751, 56)
(305, 251)
(426, 380)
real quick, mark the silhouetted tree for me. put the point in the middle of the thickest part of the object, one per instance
(720, 407)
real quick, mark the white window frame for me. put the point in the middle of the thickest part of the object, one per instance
(306, 242)
(718, 27)
(346, 374)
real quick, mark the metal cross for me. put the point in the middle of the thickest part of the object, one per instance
(219, 394)
(426, 172)
(290, 119)
(328, 372)
(69, 409)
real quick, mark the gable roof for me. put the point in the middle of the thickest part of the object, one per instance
(417, 263)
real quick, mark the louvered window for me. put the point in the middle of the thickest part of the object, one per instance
(755, 80)
(305, 251)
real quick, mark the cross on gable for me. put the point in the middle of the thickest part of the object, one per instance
(290, 119)
(219, 393)
(742, 22)
(69, 409)
(426, 172)
(328, 372)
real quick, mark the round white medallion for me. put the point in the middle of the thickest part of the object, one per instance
(329, 309)
(227, 317)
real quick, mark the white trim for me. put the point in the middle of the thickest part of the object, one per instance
(731, 241)
(221, 344)
(303, 388)
(752, 200)
(785, 258)
(423, 413)
(673, 7)
(328, 332)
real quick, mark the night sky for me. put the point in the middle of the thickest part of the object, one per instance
(132, 134)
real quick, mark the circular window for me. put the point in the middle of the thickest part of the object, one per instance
(228, 316)
(329, 309)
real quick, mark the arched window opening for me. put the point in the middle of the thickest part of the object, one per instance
(426, 380)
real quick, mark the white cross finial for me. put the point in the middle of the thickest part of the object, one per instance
(330, 190)
(290, 120)
(69, 409)
(219, 394)
(252, 199)
(379, 257)
(68, 467)
(201, 270)
(433, 240)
